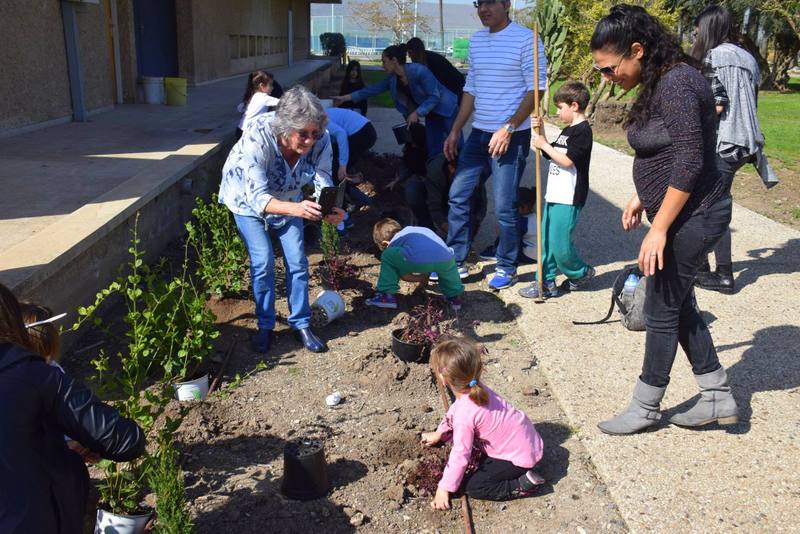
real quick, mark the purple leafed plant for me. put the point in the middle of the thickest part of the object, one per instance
(335, 270)
(431, 468)
(427, 323)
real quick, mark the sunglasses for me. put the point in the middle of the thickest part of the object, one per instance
(480, 3)
(305, 135)
(610, 70)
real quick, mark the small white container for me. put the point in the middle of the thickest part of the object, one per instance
(333, 304)
(193, 390)
(153, 87)
(120, 524)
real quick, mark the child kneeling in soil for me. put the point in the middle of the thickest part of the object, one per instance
(509, 439)
(412, 254)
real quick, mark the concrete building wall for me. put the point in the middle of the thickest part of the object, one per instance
(34, 84)
(127, 49)
(238, 36)
(95, 52)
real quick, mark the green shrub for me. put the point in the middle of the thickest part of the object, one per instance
(221, 253)
(166, 481)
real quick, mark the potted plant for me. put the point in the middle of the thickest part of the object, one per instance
(421, 328)
(135, 379)
(334, 271)
(190, 335)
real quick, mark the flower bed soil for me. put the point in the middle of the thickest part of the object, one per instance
(232, 444)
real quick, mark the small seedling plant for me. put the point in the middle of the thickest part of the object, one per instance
(166, 481)
(336, 268)
(221, 253)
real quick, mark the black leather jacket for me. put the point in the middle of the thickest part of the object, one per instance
(42, 483)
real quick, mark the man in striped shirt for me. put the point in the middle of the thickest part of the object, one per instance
(499, 90)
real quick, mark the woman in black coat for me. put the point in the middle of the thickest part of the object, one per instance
(43, 484)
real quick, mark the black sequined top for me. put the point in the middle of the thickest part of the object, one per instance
(677, 145)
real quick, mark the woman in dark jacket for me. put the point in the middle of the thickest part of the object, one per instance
(43, 484)
(353, 81)
(672, 128)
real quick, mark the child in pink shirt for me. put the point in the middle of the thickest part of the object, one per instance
(510, 441)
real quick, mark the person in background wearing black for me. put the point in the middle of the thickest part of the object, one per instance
(442, 69)
(353, 81)
(277, 90)
(734, 77)
(672, 127)
(43, 484)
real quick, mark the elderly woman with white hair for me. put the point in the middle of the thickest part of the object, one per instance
(262, 183)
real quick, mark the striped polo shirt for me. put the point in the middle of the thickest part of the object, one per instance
(501, 73)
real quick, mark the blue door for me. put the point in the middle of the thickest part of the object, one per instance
(156, 37)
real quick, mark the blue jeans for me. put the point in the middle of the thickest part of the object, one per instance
(507, 170)
(437, 128)
(262, 269)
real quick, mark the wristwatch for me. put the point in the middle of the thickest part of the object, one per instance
(509, 127)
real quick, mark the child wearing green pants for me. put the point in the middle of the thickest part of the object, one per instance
(567, 189)
(411, 254)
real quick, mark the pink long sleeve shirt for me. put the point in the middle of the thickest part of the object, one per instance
(504, 433)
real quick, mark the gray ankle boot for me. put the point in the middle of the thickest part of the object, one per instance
(716, 403)
(642, 412)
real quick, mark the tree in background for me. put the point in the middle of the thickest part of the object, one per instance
(770, 31)
(396, 16)
(550, 16)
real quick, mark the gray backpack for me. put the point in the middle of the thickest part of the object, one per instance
(631, 310)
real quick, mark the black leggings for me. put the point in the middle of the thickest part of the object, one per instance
(494, 480)
(671, 316)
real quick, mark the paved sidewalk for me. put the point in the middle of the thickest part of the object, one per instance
(673, 479)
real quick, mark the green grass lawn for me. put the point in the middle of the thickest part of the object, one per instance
(778, 114)
(384, 99)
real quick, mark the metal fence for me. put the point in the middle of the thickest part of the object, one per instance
(366, 44)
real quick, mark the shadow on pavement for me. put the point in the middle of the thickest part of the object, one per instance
(771, 363)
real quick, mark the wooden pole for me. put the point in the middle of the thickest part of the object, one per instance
(539, 269)
(466, 511)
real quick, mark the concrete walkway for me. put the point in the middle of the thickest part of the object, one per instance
(672, 479)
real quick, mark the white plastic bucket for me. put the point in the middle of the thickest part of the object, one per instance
(153, 89)
(120, 524)
(193, 390)
(332, 303)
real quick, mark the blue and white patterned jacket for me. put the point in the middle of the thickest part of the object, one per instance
(256, 172)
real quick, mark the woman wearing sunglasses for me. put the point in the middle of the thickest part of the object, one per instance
(672, 128)
(262, 183)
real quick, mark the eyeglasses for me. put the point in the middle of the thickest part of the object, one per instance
(610, 70)
(305, 135)
(480, 3)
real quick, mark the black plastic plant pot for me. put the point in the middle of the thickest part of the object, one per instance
(305, 473)
(408, 352)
